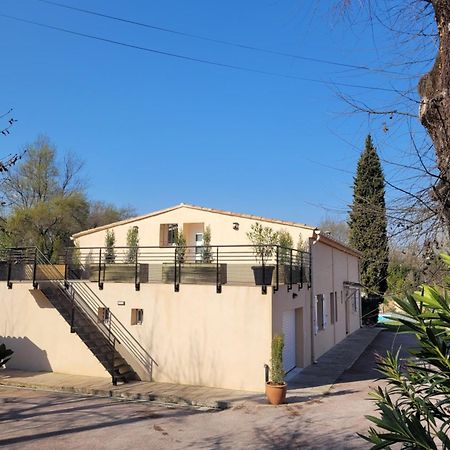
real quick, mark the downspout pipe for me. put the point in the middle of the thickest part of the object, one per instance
(312, 241)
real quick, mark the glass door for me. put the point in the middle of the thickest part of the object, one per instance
(198, 247)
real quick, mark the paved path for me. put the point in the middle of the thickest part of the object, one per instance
(49, 420)
(313, 381)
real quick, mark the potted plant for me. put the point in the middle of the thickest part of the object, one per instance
(264, 240)
(132, 244)
(276, 387)
(110, 241)
(207, 256)
(288, 258)
(200, 271)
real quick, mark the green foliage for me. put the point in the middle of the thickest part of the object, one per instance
(110, 241)
(132, 244)
(276, 362)
(46, 202)
(5, 354)
(180, 242)
(302, 246)
(207, 256)
(367, 222)
(370, 310)
(286, 243)
(47, 224)
(402, 277)
(264, 239)
(75, 255)
(414, 407)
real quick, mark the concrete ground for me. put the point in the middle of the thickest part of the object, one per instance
(312, 382)
(37, 420)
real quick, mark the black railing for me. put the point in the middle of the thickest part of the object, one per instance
(223, 264)
(217, 265)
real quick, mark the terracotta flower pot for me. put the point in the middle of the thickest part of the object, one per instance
(276, 393)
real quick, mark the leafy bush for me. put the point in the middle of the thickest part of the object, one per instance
(286, 243)
(414, 407)
(132, 244)
(180, 242)
(370, 306)
(110, 240)
(264, 240)
(276, 362)
(207, 256)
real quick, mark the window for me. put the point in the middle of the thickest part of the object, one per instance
(320, 312)
(137, 316)
(332, 308)
(355, 300)
(172, 233)
(168, 233)
(102, 314)
(335, 307)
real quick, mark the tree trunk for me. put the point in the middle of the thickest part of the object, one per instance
(434, 89)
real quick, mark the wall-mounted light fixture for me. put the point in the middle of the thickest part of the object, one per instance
(235, 226)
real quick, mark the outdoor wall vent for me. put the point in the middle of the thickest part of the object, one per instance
(235, 226)
(121, 302)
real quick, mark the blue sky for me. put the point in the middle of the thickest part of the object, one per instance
(155, 130)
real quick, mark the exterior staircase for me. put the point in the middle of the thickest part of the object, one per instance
(88, 328)
(108, 339)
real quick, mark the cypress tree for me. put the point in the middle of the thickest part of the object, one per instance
(368, 228)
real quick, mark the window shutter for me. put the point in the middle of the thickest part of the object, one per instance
(315, 324)
(133, 316)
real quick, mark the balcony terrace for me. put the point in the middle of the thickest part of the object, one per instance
(246, 265)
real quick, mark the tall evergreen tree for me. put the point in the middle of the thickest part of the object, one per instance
(368, 224)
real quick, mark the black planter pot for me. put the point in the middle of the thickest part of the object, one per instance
(263, 275)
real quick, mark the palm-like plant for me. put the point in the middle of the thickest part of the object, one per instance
(414, 407)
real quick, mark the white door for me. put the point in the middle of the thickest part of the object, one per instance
(198, 246)
(289, 340)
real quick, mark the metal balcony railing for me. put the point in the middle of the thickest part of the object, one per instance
(247, 265)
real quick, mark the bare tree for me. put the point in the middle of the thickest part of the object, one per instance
(7, 121)
(419, 210)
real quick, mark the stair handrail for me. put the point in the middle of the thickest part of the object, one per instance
(92, 302)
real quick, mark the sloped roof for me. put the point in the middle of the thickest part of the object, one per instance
(332, 242)
(200, 208)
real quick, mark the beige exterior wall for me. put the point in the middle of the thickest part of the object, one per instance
(39, 335)
(222, 232)
(331, 267)
(197, 336)
(298, 303)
